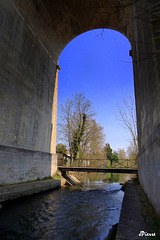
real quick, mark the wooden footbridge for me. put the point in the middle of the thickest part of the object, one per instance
(98, 165)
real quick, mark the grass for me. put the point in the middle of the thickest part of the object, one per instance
(151, 217)
(57, 175)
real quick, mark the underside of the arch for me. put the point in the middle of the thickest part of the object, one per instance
(32, 35)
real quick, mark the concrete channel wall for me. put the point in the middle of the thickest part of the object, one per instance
(23, 189)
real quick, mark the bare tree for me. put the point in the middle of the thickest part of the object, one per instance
(132, 151)
(76, 126)
(121, 153)
(93, 140)
(127, 117)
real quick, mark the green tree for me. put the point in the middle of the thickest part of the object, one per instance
(77, 137)
(115, 157)
(109, 154)
(108, 151)
(61, 148)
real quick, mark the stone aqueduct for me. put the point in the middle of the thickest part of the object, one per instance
(33, 33)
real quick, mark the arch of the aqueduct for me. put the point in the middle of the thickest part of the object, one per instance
(32, 35)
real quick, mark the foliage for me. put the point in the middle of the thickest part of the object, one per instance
(108, 151)
(61, 148)
(115, 156)
(109, 154)
(77, 137)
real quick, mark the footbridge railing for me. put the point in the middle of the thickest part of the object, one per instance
(98, 163)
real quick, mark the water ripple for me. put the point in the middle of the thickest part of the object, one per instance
(84, 213)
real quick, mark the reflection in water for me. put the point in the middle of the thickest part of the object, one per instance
(107, 177)
(84, 212)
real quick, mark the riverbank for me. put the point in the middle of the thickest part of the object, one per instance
(137, 216)
(14, 191)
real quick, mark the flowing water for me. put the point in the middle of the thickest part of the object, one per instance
(84, 212)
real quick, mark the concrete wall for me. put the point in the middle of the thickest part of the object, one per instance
(27, 83)
(19, 165)
(146, 48)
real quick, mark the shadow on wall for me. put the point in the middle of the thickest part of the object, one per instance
(21, 165)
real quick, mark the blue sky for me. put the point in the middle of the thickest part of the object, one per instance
(100, 67)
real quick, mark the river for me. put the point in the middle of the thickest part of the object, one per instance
(85, 212)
